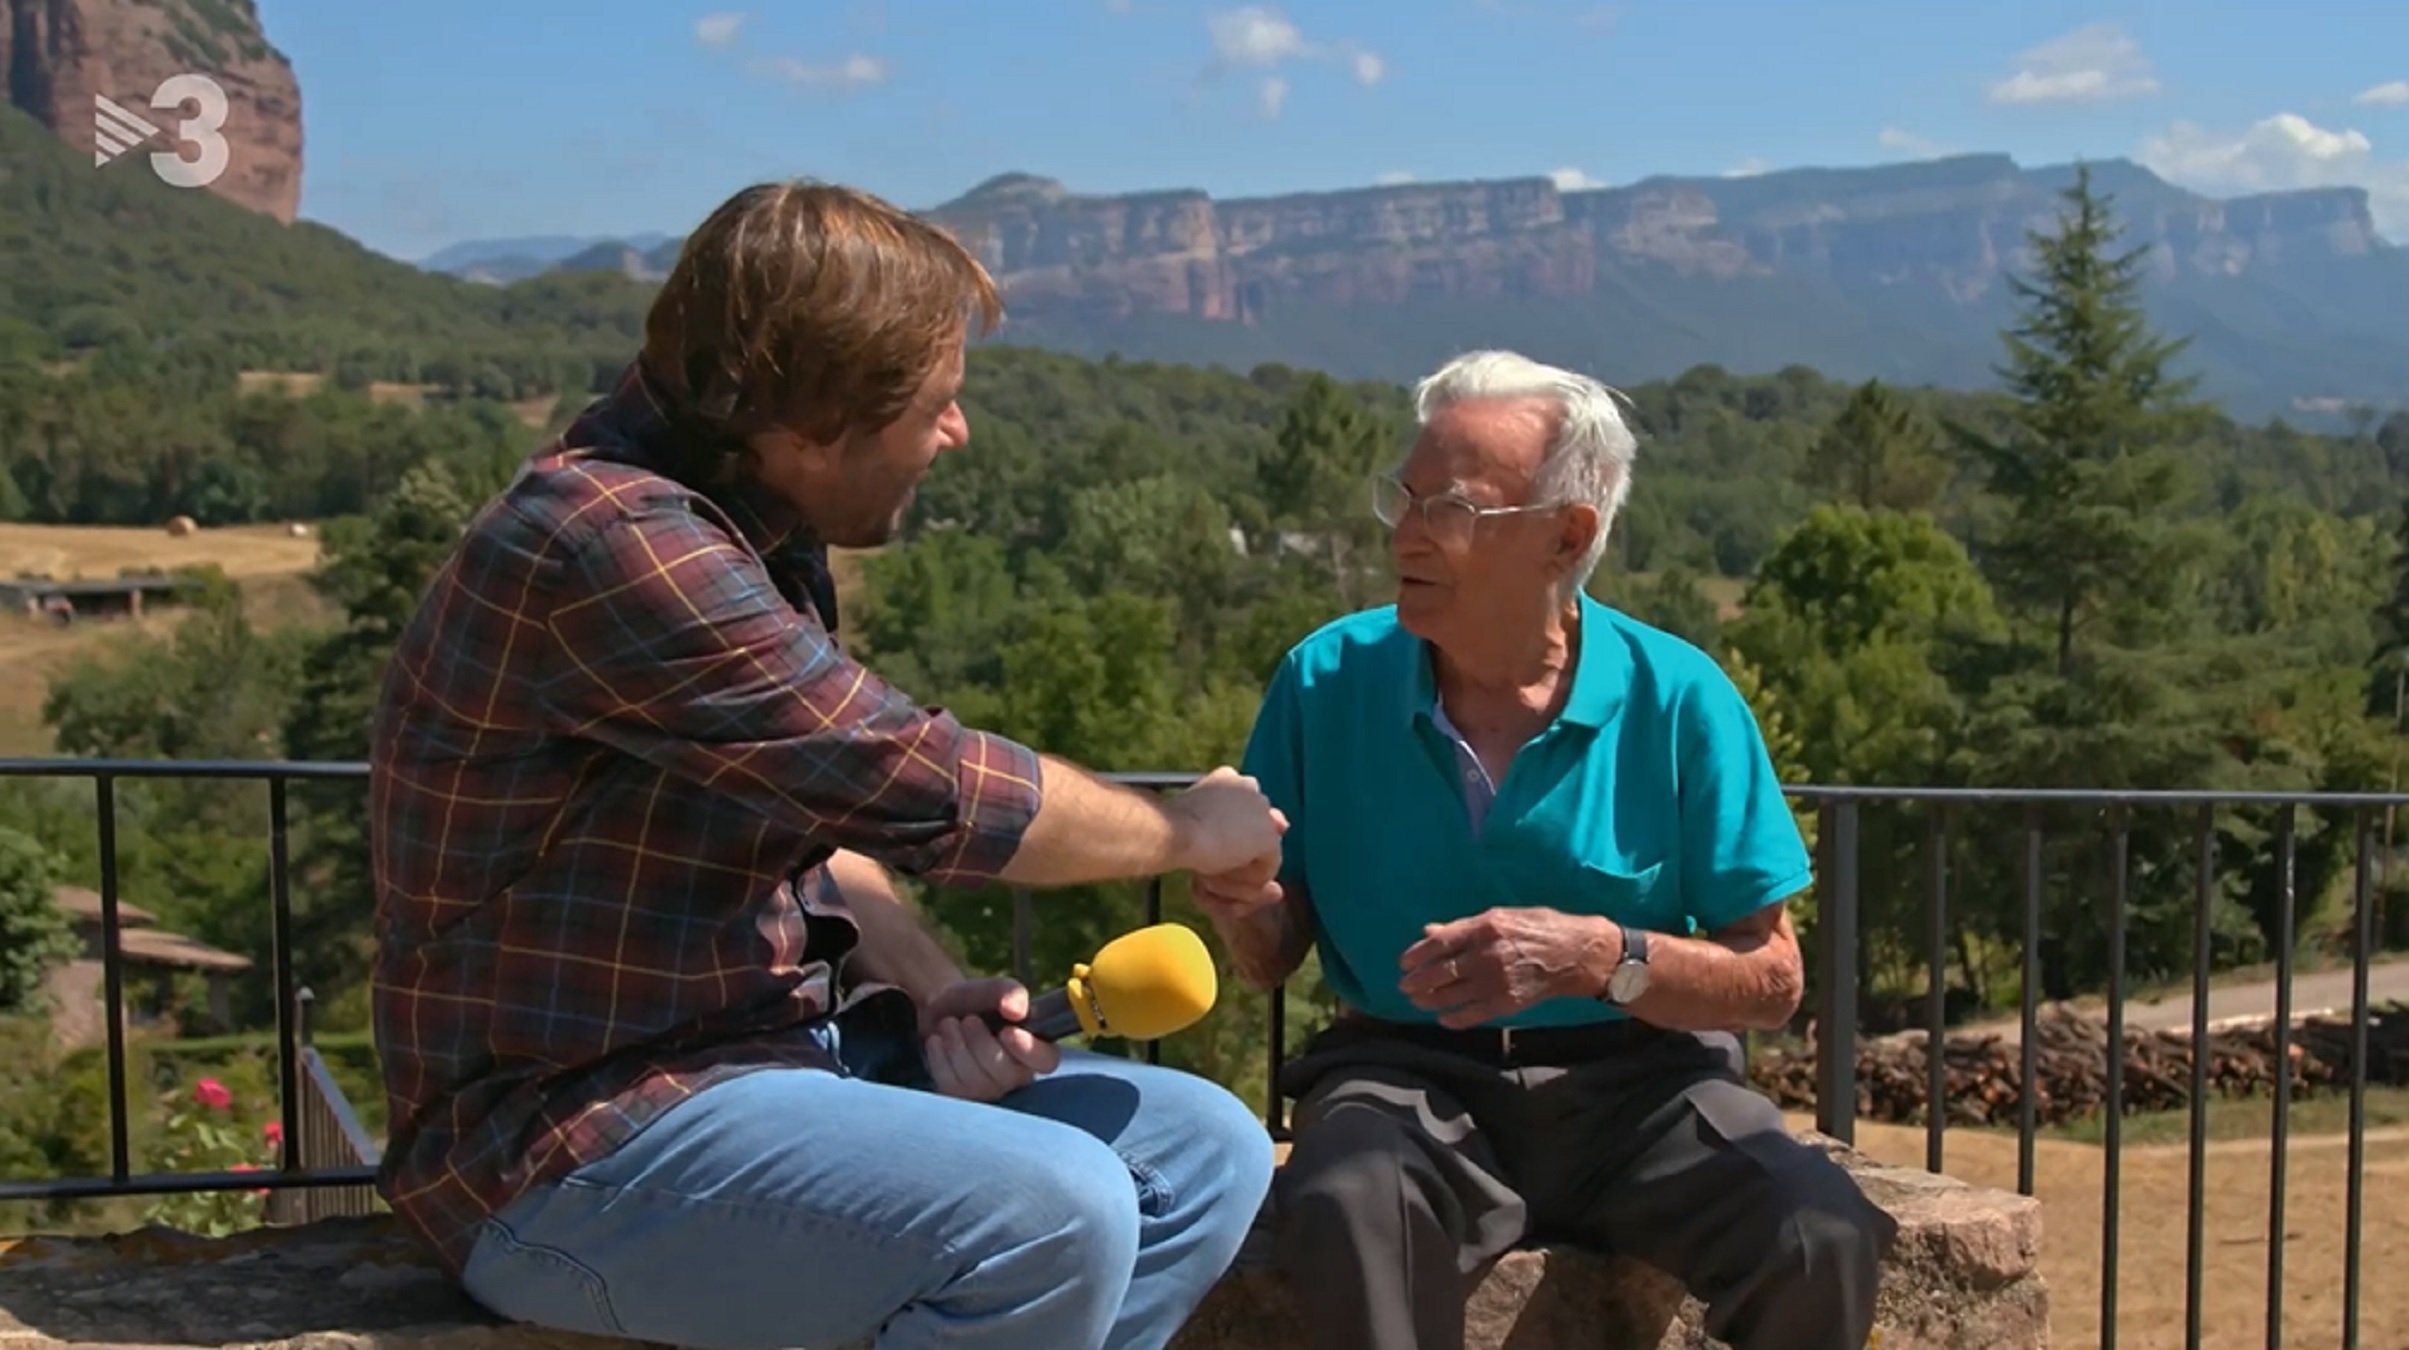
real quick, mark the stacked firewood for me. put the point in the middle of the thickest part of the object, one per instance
(1983, 1073)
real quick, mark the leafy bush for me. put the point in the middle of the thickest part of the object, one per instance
(34, 934)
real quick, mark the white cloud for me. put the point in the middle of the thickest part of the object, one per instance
(1272, 93)
(1394, 178)
(1262, 38)
(1901, 139)
(1748, 168)
(2278, 153)
(2392, 95)
(854, 72)
(718, 30)
(1254, 36)
(2093, 63)
(1575, 180)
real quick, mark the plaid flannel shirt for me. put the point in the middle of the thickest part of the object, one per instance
(610, 755)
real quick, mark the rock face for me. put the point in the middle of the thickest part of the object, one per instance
(58, 54)
(1950, 225)
(1898, 272)
(1961, 1277)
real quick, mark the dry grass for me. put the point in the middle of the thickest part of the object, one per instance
(2151, 1246)
(94, 551)
(267, 561)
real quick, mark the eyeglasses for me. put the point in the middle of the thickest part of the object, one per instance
(1449, 518)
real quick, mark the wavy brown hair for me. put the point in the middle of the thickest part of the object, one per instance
(811, 307)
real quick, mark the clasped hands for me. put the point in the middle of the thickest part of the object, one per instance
(1225, 825)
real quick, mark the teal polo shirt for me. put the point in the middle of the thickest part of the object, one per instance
(1649, 799)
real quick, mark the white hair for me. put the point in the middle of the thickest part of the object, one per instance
(1588, 460)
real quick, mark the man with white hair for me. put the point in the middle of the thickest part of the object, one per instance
(1544, 857)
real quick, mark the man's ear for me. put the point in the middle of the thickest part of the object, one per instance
(795, 449)
(1581, 525)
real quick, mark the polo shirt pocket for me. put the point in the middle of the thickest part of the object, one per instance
(1646, 898)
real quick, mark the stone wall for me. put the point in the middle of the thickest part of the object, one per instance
(1962, 1276)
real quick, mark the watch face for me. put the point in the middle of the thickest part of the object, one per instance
(1630, 980)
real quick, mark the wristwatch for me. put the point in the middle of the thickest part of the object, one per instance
(1630, 977)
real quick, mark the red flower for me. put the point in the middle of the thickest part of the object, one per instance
(249, 1167)
(273, 1131)
(211, 1093)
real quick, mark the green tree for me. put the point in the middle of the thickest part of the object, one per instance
(2088, 473)
(1857, 574)
(1880, 451)
(2389, 674)
(34, 933)
(1849, 630)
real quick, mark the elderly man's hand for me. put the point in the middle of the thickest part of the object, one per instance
(1241, 892)
(969, 1061)
(1501, 961)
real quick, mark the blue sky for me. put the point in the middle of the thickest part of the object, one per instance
(442, 120)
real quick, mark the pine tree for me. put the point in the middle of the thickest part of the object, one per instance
(1880, 452)
(2088, 472)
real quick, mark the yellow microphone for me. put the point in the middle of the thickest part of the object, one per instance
(1142, 986)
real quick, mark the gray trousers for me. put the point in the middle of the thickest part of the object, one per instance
(1421, 1156)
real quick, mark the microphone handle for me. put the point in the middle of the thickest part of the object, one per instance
(1050, 1017)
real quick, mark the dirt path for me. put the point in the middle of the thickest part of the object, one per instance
(2312, 991)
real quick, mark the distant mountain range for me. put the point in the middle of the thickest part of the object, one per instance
(508, 260)
(2294, 302)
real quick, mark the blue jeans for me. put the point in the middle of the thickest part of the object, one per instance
(791, 1207)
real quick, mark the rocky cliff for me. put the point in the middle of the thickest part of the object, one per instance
(1948, 226)
(58, 54)
(1898, 272)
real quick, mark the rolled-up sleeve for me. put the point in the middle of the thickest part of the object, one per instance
(675, 646)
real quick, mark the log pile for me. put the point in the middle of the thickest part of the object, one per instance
(1983, 1073)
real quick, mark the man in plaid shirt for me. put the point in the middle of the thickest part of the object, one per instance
(666, 1055)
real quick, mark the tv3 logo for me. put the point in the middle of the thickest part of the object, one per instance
(117, 129)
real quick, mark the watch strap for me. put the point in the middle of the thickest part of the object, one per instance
(1635, 952)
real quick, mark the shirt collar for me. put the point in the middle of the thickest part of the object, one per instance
(639, 422)
(1601, 675)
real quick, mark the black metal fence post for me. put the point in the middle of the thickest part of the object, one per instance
(1836, 940)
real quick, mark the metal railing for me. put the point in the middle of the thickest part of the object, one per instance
(330, 1137)
(313, 1107)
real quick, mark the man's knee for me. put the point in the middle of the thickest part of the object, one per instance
(1820, 1249)
(1352, 1165)
(1071, 1206)
(1833, 1229)
(1223, 1148)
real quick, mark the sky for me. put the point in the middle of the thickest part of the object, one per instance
(448, 120)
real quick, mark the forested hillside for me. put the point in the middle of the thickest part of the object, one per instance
(122, 269)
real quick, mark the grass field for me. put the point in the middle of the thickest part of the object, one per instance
(266, 560)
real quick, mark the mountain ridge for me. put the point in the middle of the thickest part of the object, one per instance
(1892, 271)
